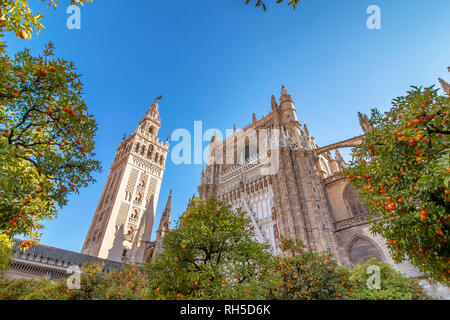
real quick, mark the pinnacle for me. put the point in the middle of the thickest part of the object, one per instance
(285, 96)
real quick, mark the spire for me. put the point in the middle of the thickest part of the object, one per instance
(164, 225)
(306, 129)
(285, 96)
(254, 117)
(214, 137)
(364, 123)
(445, 86)
(202, 180)
(273, 103)
(338, 156)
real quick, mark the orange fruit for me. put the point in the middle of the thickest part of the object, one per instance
(22, 34)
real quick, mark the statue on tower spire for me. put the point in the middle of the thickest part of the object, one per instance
(153, 112)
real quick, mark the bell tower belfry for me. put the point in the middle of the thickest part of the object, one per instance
(130, 194)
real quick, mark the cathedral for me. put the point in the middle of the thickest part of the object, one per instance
(291, 187)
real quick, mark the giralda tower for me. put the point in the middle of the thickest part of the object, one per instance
(123, 221)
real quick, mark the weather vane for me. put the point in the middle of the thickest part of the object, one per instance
(158, 98)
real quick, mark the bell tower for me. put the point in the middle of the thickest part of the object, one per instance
(130, 196)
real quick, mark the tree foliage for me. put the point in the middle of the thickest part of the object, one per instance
(125, 284)
(46, 140)
(18, 17)
(211, 255)
(261, 3)
(5, 252)
(393, 284)
(304, 275)
(403, 171)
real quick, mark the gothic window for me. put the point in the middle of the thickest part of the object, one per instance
(161, 160)
(142, 183)
(130, 231)
(156, 157)
(362, 248)
(139, 197)
(151, 130)
(247, 153)
(351, 197)
(137, 147)
(143, 150)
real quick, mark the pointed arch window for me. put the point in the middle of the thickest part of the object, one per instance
(351, 197)
(362, 248)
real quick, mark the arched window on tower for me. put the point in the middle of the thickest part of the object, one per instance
(161, 160)
(150, 151)
(354, 204)
(137, 147)
(151, 130)
(138, 198)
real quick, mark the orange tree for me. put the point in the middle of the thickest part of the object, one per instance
(125, 284)
(211, 255)
(304, 275)
(17, 16)
(46, 140)
(402, 168)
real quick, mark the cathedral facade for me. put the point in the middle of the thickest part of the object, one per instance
(123, 221)
(291, 187)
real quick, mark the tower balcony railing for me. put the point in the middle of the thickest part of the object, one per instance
(137, 202)
(133, 220)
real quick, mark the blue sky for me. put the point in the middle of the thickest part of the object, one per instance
(220, 61)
